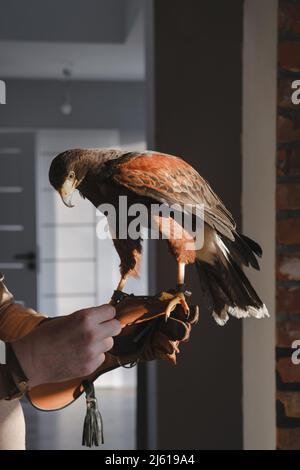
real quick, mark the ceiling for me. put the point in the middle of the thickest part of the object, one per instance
(117, 56)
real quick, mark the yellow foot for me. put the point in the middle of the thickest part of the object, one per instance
(175, 299)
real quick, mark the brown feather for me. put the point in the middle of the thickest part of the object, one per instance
(151, 177)
(169, 179)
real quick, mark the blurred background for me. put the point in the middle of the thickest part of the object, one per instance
(76, 71)
(204, 80)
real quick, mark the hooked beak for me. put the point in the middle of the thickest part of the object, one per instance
(66, 192)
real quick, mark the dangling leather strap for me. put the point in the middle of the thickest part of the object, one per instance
(93, 425)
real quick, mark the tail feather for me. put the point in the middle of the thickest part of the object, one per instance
(253, 245)
(243, 250)
(227, 289)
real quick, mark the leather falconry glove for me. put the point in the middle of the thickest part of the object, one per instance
(146, 335)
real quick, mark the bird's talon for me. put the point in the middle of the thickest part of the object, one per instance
(174, 300)
(185, 306)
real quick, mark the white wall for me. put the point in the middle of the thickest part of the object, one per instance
(258, 200)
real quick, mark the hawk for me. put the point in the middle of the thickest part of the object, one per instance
(103, 175)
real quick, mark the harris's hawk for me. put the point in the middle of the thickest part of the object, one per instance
(103, 175)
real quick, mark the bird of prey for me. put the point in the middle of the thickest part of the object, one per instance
(103, 175)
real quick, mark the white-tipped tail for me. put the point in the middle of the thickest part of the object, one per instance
(249, 311)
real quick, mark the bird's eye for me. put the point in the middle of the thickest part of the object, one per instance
(71, 175)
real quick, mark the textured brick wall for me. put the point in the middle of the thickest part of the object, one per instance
(288, 227)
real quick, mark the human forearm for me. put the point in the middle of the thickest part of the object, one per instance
(67, 347)
(16, 320)
(63, 348)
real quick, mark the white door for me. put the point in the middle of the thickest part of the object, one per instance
(17, 216)
(18, 229)
(17, 220)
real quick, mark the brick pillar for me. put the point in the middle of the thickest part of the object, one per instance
(288, 227)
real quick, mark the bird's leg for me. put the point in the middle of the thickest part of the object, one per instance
(122, 283)
(178, 297)
(118, 292)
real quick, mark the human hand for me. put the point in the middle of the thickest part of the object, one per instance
(150, 336)
(67, 347)
(146, 335)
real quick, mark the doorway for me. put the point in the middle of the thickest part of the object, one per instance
(82, 87)
(69, 269)
(18, 215)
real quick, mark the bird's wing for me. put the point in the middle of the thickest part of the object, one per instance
(168, 179)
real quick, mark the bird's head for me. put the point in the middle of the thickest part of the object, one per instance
(67, 172)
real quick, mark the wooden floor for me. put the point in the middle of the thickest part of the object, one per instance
(63, 429)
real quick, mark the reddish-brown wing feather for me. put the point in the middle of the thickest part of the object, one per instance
(171, 180)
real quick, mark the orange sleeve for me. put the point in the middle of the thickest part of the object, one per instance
(15, 319)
